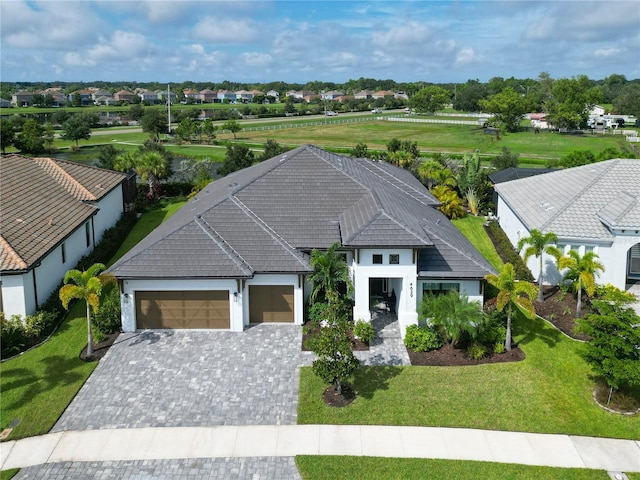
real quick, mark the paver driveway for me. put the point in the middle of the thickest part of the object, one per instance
(167, 378)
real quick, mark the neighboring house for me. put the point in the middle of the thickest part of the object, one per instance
(208, 96)
(244, 96)
(227, 95)
(124, 96)
(4, 103)
(332, 95)
(593, 207)
(364, 95)
(192, 94)
(539, 120)
(105, 100)
(162, 95)
(513, 173)
(84, 94)
(149, 97)
(53, 213)
(99, 93)
(596, 111)
(275, 94)
(382, 94)
(239, 252)
(22, 98)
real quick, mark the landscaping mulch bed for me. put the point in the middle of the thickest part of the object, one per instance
(99, 349)
(620, 402)
(309, 332)
(332, 398)
(449, 355)
(559, 308)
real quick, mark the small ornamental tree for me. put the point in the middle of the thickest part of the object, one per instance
(581, 272)
(453, 314)
(333, 347)
(537, 244)
(614, 348)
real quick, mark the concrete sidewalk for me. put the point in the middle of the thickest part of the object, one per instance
(290, 440)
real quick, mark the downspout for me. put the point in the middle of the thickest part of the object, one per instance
(35, 286)
(93, 233)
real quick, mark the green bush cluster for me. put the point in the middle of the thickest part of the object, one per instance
(17, 334)
(364, 331)
(476, 351)
(107, 319)
(423, 338)
(507, 252)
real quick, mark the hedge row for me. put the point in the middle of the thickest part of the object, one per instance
(507, 252)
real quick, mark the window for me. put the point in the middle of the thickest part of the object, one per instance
(87, 233)
(562, 247)
(377, 259)
(394, 259)
(589, 248)
(64, 253)
(438, 288)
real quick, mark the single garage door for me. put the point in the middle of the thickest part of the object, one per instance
(183, 309)
(270, 303)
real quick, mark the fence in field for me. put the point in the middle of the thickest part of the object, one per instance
(431, 120)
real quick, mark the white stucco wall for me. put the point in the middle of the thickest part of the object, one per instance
(17, 294)
(404, 282)
(111, 207)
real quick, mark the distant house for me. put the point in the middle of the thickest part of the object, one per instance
(162, 96)
(149, 97)
(539, 120)
(22, 98)
(227, 95)
(125, 96)
(596, 111)
(382, 94)
(98, 93)
(275, 94)
(105, 100)
(591, 208)
(208, 96)
(53, 213)
(84, 94)
(192, 94)
(364, 95)
(5, 103)
(239, 254)
(401, 95)
(244, 96)
(332, 95)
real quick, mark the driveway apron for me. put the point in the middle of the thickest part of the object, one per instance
(176, 378)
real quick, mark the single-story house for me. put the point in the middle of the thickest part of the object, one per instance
(591, 208)
(239, 252)
(53, 213)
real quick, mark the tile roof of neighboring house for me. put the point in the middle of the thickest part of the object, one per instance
(513, 173)
(43, 201)
(267, 218)
(581, 202)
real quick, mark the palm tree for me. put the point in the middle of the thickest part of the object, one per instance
(451, 203)
(329, 271)
(151, 167)
(582, 273)
(539, 243)
(453, 313)
(512, 292)
(85, 286)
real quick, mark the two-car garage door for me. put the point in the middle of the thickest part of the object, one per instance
(183, 309)
(209, 309)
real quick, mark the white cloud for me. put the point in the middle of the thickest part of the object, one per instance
(607, 52)
(225, 30)
(256, 59)
(466, 56)
(75, 59)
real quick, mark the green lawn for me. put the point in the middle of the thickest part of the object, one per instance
(473, 228)
(549, 392)
(38, 385)
(374, 468)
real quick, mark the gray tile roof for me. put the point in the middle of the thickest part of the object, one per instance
(581, 202)
(267, 218)
(42, 201)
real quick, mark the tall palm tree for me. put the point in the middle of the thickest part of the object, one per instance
(511, 293)
(329, 271)
(538, 244)
(582, 272)
(151, 167)
(85, 286)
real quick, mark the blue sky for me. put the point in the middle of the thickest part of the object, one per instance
(301, 41)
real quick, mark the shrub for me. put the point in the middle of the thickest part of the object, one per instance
(12, 334)
(107, 319)
(499, 347)
(507, 252)
(364, 331)
(476, 351)
(492, 330)
(40, 323)
(423, 338)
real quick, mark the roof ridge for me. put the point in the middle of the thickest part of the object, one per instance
(55, 171)
(267, 229)
(223, 244)
(6, 246)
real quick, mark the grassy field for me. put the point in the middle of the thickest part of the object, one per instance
(374, 468)
(38, 385)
